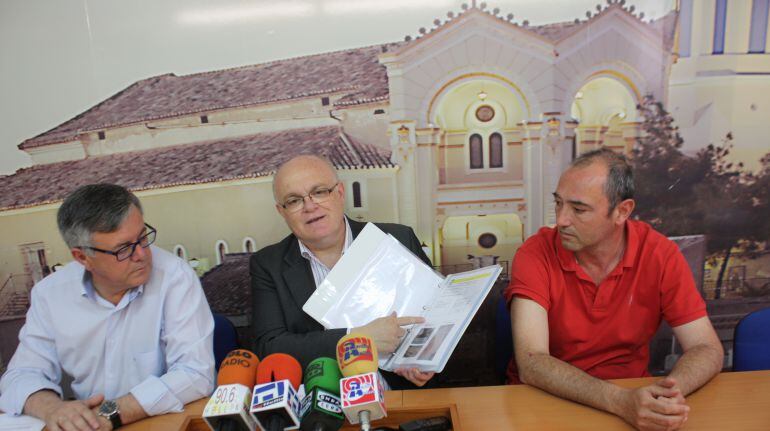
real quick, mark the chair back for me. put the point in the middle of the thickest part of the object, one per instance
(751, 344)
(503, 339)
(225, 338)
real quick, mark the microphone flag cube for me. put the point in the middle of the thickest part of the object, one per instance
(319, 400)
(229, 401)
(277, 397)
(362, 392)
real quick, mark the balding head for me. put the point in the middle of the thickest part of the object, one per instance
(319, 222)
(301, 162)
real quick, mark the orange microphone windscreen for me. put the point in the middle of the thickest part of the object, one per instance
(239, 366)
(356, 354)
(279, 366)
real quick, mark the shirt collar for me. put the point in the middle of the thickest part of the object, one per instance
(568, 261)
(307, 254)
(89, 291)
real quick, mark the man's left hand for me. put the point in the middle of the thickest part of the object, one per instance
(415, 376)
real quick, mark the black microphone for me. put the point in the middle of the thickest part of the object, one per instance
(321, 409)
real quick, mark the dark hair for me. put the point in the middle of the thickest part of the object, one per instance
(619, 185)
(93, 208)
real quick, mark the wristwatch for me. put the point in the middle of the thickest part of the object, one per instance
(109, 410)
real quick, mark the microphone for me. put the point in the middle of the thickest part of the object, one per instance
(275, 401)
(321, 409)
(227, 409)
(362, 393)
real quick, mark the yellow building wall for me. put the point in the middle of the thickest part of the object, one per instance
(361, 124)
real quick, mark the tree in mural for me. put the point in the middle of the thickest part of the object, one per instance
(703, 194)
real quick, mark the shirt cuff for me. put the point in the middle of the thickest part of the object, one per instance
(15, 396)
(155, 398)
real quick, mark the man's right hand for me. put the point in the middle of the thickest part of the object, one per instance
(72, 415)
(386, 332)
(660, 406)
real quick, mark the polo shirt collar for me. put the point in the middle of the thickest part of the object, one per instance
(568, 261)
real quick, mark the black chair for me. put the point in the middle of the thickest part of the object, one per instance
(503, 338)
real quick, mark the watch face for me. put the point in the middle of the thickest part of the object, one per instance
(108, 407)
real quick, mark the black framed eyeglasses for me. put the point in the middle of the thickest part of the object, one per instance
(319, 195)
(127, 250)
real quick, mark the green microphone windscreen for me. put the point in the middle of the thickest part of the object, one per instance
(323, 373)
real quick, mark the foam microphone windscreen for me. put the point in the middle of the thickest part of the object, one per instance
(279, 366)
(323, 373)
(239, 366)
(356, 354)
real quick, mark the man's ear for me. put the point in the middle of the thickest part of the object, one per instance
(80, 256)
(341, 190)
(623, 210)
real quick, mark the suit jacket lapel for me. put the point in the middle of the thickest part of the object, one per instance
(298, 275)
(355, 227)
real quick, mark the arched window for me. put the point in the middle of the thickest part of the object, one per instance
(249, 245)
(476, 152)
(180, 251)
(357, 195)
(221, 250)
(495, 150)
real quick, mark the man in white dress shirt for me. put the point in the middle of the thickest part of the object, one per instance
(129, 322)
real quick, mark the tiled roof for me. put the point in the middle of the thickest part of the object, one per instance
(210, 161)
(356, 73)
(227, 286)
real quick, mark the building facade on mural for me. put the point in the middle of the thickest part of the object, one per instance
(460, 133)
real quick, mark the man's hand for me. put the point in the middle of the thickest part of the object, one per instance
(386, 332)
(660, 406)
(415, 376)
(77, 415)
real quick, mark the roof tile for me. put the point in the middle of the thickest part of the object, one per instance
(355, 72)
(210, 161)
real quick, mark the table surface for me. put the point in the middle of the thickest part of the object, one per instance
(732, 401)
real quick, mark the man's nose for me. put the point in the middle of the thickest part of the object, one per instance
(562, 218)
(308, 204)
(140, 253)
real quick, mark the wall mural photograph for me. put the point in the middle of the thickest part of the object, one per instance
(453, 118)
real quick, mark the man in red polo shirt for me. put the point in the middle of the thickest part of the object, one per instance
(587, 296)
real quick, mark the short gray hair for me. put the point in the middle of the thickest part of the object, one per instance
(94, 208)
(619, 185)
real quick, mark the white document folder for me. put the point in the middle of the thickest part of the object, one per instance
(376, 276)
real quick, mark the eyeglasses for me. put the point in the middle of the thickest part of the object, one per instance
(127, 250)
(319, 195)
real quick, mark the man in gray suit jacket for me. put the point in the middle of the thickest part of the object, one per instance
(311, 199)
